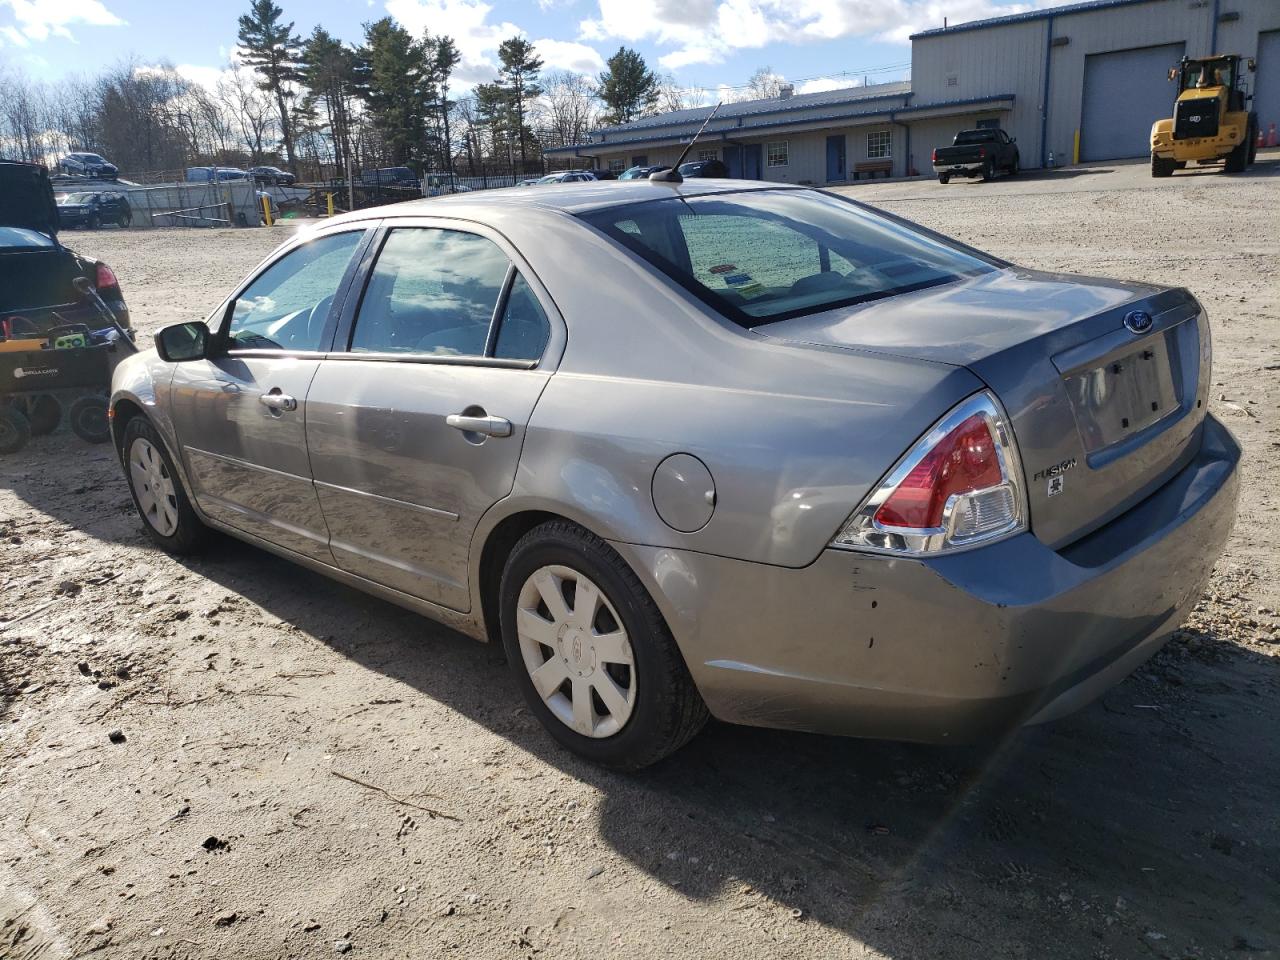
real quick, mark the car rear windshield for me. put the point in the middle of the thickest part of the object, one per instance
(975, 136)
(767, 255)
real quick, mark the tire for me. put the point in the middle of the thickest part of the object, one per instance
(1238, 159)
(94, 222)
(125, 220)
(1160, 167)
(944, 178)
(43, 412)
(1014, 167)
(147, 460)
(88, 419)
(1252, 139)
(15, 429)
(656, 708)
(988, 171)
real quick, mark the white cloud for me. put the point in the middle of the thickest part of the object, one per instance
(38, 20)
(566, 55)
(824, 84)
(467, 21)
(707, 31)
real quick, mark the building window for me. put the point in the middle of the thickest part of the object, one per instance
(880, 144)
(617, 164)
(778, 152)
(712, 154)
(953, 81)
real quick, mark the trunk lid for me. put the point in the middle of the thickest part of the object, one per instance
(1103, 414)
(26, 198)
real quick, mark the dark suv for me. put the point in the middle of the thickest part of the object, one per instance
(92, 210)
(704, 168)
(37, 273)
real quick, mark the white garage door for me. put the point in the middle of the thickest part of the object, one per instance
(1266, 89)
(1124, 93)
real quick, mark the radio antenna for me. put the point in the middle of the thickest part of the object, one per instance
(673, 175)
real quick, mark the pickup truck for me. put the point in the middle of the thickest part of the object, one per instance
(976, 153)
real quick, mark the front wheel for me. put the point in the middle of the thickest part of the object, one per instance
(94, 222)
(167, 515)
(988, 171)
(125, 220)
(88, 418)
(1161, 166)
(944, 178)
(591, 652)
(1013, 167)
(15, 429)
(1238, 159)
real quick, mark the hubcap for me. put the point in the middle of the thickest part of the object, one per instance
(576, 651)
(153, 487)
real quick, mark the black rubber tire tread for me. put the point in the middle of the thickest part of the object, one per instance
(669, 711)
(1238, 159)
(1161, 167)
(1014, 167)
(44, 413)
(944, 178)
(91, 431)
(192, 534)
(988, 171)
(15, 429)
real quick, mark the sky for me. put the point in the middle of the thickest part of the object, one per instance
(713, 44)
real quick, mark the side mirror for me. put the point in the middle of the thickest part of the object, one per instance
(182, 342)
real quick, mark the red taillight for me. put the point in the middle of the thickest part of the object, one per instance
(962, 462)
(982, 153)
(105, 278)
(935, 154)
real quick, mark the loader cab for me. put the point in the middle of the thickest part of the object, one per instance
(1208, 88)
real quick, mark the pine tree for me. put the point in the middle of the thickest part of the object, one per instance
(328, 69)
(628, 88)
(394, 90)
(446, 59)
(271, 48)
(518, 79)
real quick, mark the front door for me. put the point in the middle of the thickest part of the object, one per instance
(415, 421)
(752, 168)
(835, 158)
(240, 416)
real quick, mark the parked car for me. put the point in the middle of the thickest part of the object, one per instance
(390, 177)
(88, 165)
(752, 451)
(977, 153)
(37, 273)
(704, 168)
(528, 182)
(602, 174)
(568, 176)
(215, 174)
(273, 176)
(641, 173)
(92, 210)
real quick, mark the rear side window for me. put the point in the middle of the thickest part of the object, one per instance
(769, 255)
(524, 330)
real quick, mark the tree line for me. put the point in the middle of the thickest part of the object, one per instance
(319, 106)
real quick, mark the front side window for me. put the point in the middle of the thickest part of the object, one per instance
(432, 291)
(879, 144)
(287, 306)
(778, 153)
(767, 255)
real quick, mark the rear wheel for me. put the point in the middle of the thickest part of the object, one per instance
(167, 515)
(88, 418)
(126, 218)
(988, 171)
(42, 410)
(15, 429)
(1161, 166)
(591, 652)
(1238, 159)
(944, 178)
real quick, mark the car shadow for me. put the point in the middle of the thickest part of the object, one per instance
(1156, 802)
(1161, 792)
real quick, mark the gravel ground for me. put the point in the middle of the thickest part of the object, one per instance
(303, 770)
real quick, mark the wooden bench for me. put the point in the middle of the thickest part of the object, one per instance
(872, 167)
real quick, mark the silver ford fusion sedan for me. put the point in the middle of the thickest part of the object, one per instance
(711, 448)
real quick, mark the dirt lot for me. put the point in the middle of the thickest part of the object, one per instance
(1146, 826)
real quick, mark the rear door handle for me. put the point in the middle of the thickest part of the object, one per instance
(277, 401)
(488, 426)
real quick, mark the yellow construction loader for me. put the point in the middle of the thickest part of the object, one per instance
(1211, 120)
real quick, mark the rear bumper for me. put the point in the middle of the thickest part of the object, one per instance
(961, 648)
(965, 169)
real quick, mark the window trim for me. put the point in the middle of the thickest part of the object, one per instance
(888, 145)
(786, 153)
(557, 335)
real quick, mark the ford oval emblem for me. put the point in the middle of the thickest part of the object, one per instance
(1138, 321)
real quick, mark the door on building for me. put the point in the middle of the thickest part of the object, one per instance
(836, 169)
(752, 166)
(1266, 84)
(1125, 92)
(640, 160)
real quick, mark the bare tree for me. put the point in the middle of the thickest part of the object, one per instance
(567, 110)
(764, 84)
(672, 96)
(251, 109)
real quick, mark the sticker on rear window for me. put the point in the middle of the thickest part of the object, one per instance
(723, 268)
(750, 290)
(738, 279)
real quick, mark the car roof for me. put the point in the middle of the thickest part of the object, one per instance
(575, 197)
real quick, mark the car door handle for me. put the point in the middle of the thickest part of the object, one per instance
(277, 401)
(489, 426)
